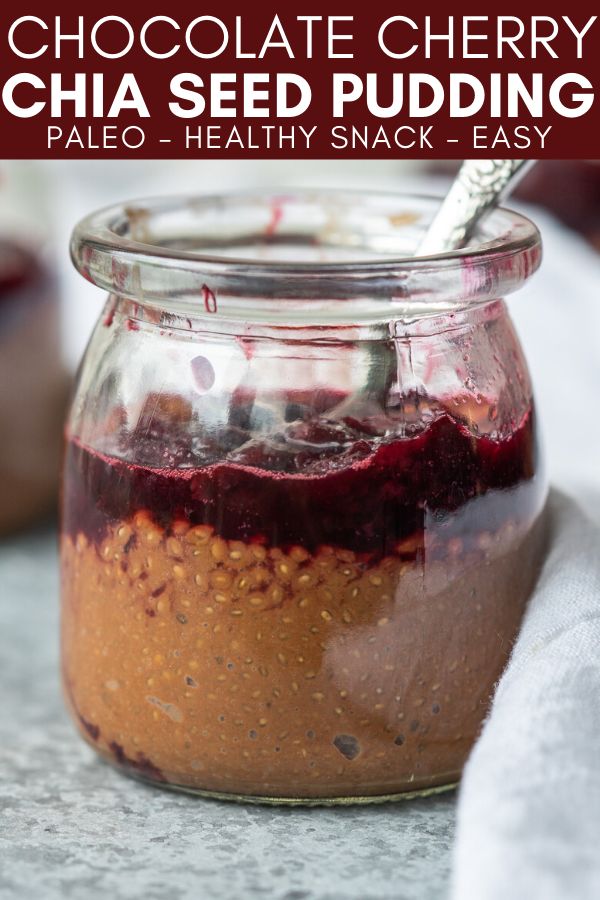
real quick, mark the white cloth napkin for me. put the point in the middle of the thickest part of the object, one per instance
(529, 804)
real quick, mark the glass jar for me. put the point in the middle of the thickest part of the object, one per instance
(302, 501)
(33, 380)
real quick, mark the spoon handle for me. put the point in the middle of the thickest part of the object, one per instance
(479, 186)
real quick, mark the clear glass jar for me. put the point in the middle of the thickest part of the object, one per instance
(302, 500)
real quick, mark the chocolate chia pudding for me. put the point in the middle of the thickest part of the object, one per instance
(291, 622)
(302, 505)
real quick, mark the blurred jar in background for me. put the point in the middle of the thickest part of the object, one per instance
(33, 384)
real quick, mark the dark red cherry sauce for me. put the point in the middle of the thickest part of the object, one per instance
(364, 493)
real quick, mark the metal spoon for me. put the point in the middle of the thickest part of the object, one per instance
(479, 186)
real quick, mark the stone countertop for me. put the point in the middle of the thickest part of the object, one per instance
(71, 827)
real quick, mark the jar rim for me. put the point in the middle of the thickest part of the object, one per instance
(173, 251)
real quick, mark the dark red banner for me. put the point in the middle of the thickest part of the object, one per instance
(228, 80)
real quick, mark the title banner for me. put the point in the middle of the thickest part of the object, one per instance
(391, 80)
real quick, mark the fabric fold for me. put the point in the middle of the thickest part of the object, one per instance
(529, 805)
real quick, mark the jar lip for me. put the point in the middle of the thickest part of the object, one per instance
(138, 251)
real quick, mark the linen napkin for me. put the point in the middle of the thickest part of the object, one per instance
(529, 804)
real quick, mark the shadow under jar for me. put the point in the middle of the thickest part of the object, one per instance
(302, 499)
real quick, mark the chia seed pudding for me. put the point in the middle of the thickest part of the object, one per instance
(248, 628)
(302, 506)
